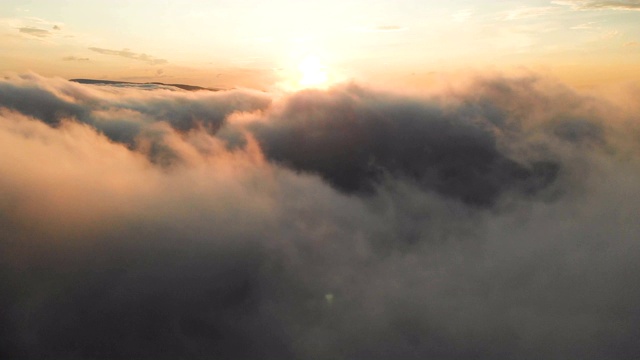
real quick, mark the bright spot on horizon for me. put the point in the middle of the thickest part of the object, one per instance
(312, 72)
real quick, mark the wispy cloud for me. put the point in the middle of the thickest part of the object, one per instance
(525, 13)
(56, 25)
(631, 44)
(610, 34)
(462, 15)
(75, 58)
(33, 28)
(629, 5)
(34, 31)
(389, 28)
(585, 26)
(126, 53)
(380, 28)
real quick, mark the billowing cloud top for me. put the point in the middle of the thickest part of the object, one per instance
(494, 220)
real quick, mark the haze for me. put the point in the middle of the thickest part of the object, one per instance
(260, 44)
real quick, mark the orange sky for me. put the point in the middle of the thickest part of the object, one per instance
(263, 44)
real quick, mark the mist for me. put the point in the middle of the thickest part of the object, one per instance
(494, 218)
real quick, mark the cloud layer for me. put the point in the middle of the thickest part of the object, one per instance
(494, 219)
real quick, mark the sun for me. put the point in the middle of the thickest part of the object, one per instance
(306, 70)
(312, 72)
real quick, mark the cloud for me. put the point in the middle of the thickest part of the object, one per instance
(397, 137)
(110, 112)
(389, 28)
(126, 53)
(76, 58)
(585, 26)
(36, 22)
(462, 15)
(34, 31)
(171, 224)
(381, 28)
(610, 34)
(631, 44)
(34, 26)
(526, 13)
(630, 5)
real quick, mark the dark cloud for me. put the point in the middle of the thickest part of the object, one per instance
(601, 5)
(39, 102)
(166, 224)
(354, 137)
(34, 31)
(126, 53)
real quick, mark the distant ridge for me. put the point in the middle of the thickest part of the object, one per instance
(117, 83)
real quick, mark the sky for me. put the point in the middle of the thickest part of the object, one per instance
(258, 44)
(374, 180)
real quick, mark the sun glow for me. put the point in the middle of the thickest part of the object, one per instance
(312, 72)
